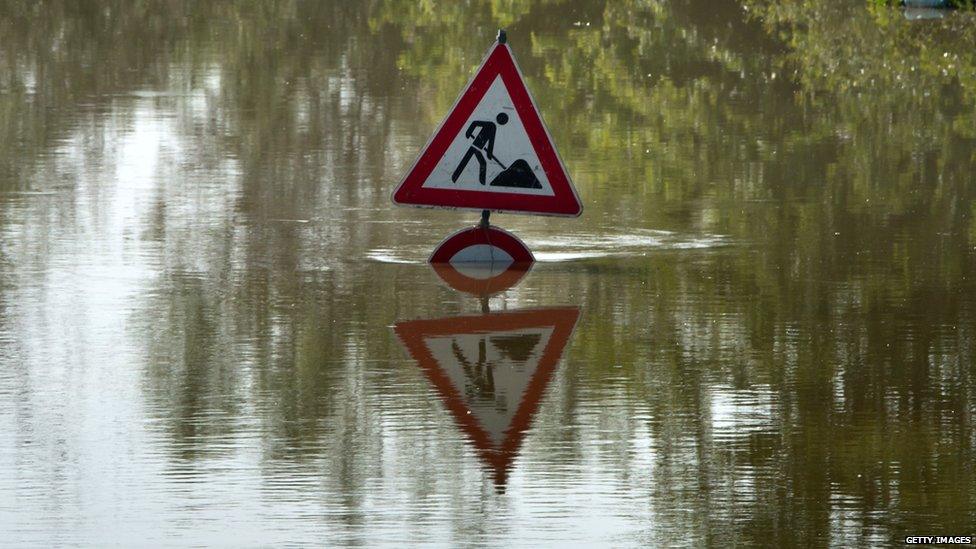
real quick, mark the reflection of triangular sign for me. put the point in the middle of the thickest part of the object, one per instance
(489, 381)
(516, 348)
(492, 151)
(491, 371)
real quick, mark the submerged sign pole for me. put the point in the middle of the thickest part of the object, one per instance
(491, 153)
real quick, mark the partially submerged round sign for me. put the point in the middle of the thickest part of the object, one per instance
(482, 245)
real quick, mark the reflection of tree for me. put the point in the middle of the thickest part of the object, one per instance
(844, 182)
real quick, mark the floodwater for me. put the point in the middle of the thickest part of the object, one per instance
(216, 329)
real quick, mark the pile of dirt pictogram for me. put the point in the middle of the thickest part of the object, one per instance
(518, 175)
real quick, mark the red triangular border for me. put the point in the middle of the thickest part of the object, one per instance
(413, 333)
(563, 202)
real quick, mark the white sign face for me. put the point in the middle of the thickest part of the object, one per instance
(492, 153)
(491, 372)
(481, 261)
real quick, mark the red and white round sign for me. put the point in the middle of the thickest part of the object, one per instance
(482, 245)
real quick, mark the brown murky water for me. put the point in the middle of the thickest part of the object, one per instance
(216, 329)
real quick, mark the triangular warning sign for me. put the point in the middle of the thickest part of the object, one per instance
(492, 152)
(491, 371)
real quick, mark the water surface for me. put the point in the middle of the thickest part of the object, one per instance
(204, 285)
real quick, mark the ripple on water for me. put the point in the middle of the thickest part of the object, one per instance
(575, 247)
